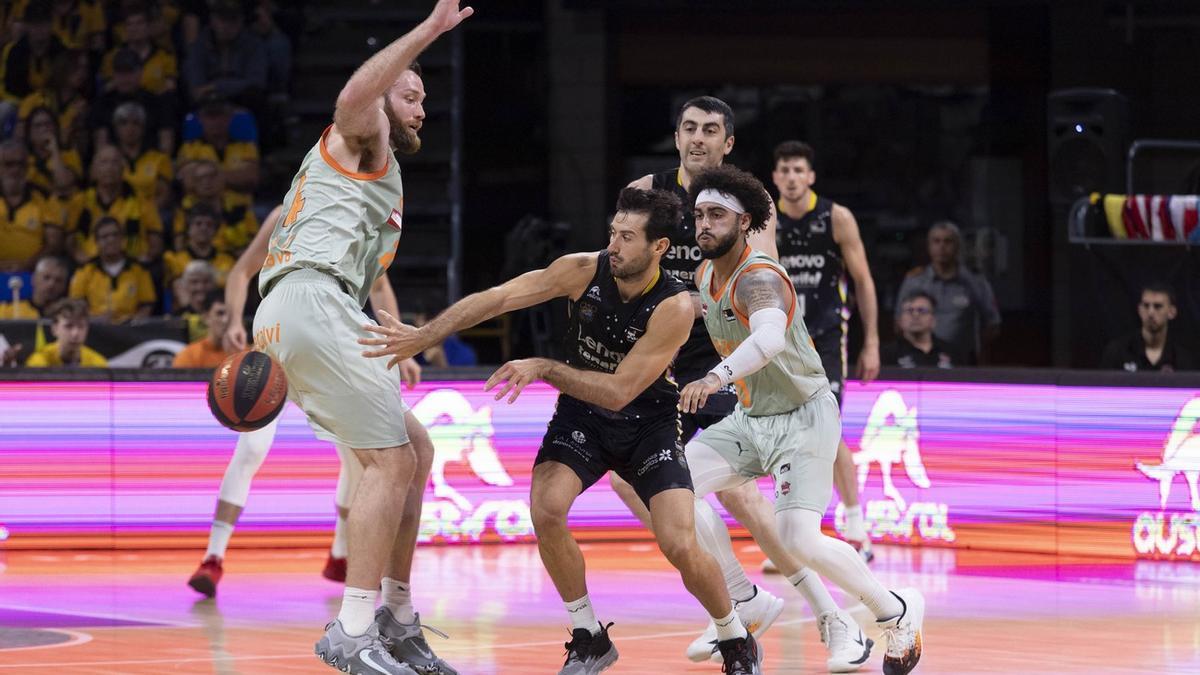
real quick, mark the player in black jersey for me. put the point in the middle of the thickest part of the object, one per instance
(618, 410)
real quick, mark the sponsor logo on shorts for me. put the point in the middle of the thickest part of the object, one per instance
(785, 468)
(266, 336)
(578, 437)
(785, 487)
(660, 457)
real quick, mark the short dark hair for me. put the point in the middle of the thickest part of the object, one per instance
(203, 209)
(68, 309)
(709, 104)
(740, 184)
(795, 150)
(415, 66)
(107, 220)
(918, 293)
(662, 208)
(1157, 286)
(211, 298)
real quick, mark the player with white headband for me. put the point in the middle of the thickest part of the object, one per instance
(786, 424)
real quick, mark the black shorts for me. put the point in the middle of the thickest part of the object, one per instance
(831, 347)
(715, 409)
(647, 453)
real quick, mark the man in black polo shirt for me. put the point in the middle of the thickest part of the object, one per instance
(1152, 347)
(916, 346)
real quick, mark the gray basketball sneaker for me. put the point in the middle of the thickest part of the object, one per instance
(358, 655)
(407, 643)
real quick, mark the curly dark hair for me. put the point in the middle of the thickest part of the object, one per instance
(663, 209)
(737, 183)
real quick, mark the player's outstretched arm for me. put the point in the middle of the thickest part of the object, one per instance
(666, 332)
(358, 116)
(567, 276)
(238, 279)
(767, 298)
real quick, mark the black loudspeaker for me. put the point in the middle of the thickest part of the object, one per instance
(1088, 135)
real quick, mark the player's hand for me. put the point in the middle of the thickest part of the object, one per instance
(400, 340)
(868, 364)
(516, 375)
(234, 339)
(410, 373)
(695, 394)
(8, 357)
(446, 15)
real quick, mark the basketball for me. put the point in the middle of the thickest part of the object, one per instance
(247, 391)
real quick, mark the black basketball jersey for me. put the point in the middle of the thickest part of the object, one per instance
(603, 328)
(814, 262)
(697, 354)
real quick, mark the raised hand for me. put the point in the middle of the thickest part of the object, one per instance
(446, 15)
(399, 340)
(695, 394)
(516, 375)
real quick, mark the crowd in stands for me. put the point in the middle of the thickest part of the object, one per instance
(130, 151)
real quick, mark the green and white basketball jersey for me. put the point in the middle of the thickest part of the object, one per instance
(794, 375)
(343, 223)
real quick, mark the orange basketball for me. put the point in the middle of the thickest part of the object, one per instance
(247, 391)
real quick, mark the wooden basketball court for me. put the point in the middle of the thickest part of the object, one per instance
(131, 612)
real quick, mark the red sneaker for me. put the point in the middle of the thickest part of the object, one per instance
(335, 569)
(205, 579)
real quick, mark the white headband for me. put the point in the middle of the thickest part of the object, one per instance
(711, 196)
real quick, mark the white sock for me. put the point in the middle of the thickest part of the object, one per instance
(854, 522)
(358, 610)
(218, 538)
(397, 596)
(583, 615)
(729, 627)
(714, 538)
(339, 548)
(815, 594)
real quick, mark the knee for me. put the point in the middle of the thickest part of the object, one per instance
(547, 516)
(678, 546)
(423, 451)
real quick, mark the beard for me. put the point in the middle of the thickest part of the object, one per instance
(629, 268)
(720, 248)
(402, 139)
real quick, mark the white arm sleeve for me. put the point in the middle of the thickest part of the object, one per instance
(768, 336)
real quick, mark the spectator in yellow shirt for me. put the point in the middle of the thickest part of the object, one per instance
(207, 352)
(66, 95)
(30, 222)
(49, 285)
(116, 287)
(202, 222)
(53, 168)
(237, 224)
(79, 24)
(70, 328)
(198, 280)
(159, 68)
(148, 170)
(26, 62)
(111, 196)
(238, 159)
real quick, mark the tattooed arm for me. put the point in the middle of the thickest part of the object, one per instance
(766, 297)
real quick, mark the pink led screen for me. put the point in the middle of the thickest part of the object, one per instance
(1040, 468)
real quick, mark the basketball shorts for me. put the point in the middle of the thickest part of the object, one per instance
(796, 449)
(311, 326)
(831, 347)
(646, 453)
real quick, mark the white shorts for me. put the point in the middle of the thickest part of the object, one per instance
(310, 326)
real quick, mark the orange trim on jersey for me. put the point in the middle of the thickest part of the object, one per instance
(720, 291)
(701, 270)
(733, 292)
(373, 175)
